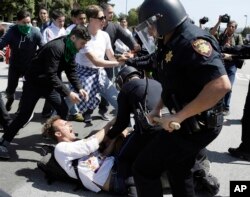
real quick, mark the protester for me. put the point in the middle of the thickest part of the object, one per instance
(23, 40)
(43, 78)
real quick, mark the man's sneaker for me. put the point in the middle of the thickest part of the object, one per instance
(9, 103)
(87, 117)
(104, 115)
(76, 117)
(4, 153)
(238, 152)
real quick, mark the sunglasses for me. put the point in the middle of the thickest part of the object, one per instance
(101, 18)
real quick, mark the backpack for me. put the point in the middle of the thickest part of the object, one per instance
(53, 171)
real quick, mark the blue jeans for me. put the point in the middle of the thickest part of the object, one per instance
(231, 71)
(109, 92)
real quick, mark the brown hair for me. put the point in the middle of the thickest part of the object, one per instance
(92, 11)
(49, 129)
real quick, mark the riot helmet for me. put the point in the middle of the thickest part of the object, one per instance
(125, 74)
(169, 14)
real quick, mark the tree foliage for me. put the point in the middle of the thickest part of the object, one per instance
(9, 8)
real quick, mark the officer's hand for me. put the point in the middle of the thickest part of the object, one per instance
(74, 97)
(84, 94)
(169, 123)
(152, 114)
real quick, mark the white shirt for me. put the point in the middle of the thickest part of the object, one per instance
(97, 45)
(69, 28)
(52, 32)
(92, 168)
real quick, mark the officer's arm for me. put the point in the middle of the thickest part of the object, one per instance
(123, 115)
(212, 92)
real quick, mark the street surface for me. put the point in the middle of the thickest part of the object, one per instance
(20, 176)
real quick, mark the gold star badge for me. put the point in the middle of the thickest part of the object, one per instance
(169, 56)
(202, 47)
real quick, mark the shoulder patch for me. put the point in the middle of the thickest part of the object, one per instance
(202, 47)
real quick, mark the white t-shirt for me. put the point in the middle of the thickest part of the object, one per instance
(52, 32)
(92, 167)
(69, 28)
(97, 45)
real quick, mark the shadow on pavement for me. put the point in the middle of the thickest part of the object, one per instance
(224, 157)
(36, 177)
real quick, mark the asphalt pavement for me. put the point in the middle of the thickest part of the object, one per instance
(20, 176)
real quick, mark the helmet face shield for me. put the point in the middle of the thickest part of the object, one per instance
(147, 31)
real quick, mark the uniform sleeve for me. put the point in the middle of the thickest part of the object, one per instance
(123, 116)
(204, 63)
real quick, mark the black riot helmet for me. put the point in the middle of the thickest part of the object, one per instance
(169, 13)
(125, 74)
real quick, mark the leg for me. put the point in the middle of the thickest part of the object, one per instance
(47, 109)
(103, 106)
(13, 78)
(58, 103)
(231, 71)
(243, 151)
(168, 151)
(131, 147)
(246, 122)
(28, 101)
(109, 92)
(4, 116)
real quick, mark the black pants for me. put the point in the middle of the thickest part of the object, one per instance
(4, 116)
(14, 73)
(173, 152)
(30, 96)
(246, 123)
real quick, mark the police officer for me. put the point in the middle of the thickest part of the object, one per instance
(193, 80)
(137, 95)
(243, 151)
(43, 78)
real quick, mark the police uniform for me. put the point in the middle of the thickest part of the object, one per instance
(243, 151)
(186, 63)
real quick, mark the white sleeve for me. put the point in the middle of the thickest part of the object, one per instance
(45, 36)
(77, 149)
(108, 41)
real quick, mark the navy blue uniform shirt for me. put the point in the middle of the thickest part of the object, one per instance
(187, 62)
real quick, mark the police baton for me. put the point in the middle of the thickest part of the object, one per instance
(173, 125)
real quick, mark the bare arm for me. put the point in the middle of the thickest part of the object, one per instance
(101, 62)
(101, 133)
(215, 28)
